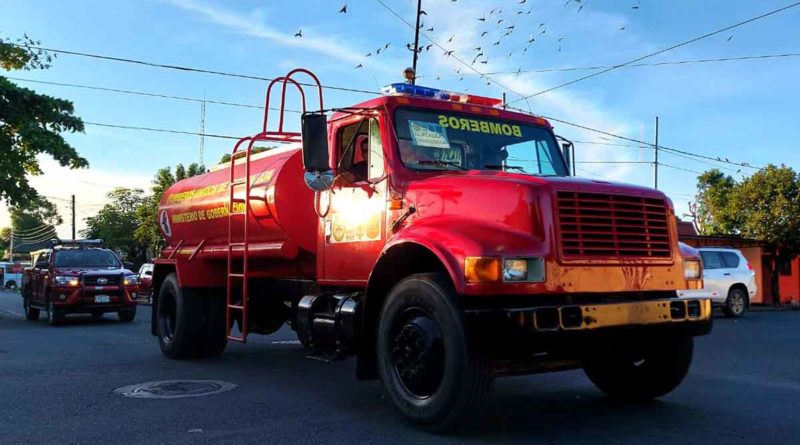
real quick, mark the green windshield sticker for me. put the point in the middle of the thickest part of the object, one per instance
(428, 134)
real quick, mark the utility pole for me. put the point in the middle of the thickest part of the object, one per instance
(202, 127)
(11, 246)
(655, 162)
(416, 40)
(72, 207)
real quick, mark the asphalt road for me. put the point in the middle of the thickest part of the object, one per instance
(56, 386)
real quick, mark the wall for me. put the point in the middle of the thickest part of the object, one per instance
(753, 255)
(790, 284)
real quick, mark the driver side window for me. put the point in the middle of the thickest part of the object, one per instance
(361, 151)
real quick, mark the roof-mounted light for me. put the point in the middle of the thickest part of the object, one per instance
(405, 89)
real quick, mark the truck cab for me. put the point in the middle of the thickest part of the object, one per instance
(441, 240)
(78, 276)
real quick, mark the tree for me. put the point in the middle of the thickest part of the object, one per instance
(31, 124)
(33, 226)
(713, 192)
(148, 233)
(764, 206)
(116, 223)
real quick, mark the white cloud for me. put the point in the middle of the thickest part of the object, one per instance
(89, 187)
(253, 25)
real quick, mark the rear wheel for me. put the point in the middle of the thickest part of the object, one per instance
(54, 316)
(736, 303)
(640, 371)
(31, 313)
(431, 375)
(126, 315)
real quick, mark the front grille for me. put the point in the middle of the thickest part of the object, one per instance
(598, 226)
(91, 280)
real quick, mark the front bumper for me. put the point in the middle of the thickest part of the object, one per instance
(689, 316)
(83, 298)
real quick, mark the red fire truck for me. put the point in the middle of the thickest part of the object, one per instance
(438, 238)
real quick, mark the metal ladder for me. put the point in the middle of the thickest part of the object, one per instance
(234, 277)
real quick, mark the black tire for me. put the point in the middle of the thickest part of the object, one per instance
(11, 284)
(54, 316)
(31, 313)
(645, 370)
(215, 338)
(438, 382)
(126, 316)
(179, 320)
(736, 304)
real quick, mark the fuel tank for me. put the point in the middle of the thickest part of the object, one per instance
(194, 214)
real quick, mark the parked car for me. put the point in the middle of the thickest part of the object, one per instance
(728, 280)
(78, 277)
(146, 282)
(10, 275)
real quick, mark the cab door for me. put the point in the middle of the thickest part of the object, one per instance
(41, 276)
(714, 278)
(354, 228)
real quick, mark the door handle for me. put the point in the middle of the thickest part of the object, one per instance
(726, 274)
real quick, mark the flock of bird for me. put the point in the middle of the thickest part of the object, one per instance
(496, 30)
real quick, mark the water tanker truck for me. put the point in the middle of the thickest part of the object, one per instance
(440, 240)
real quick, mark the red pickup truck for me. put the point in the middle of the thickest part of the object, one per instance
(78, 277)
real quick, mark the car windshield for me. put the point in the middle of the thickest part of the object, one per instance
(433, 140)
(86, 258)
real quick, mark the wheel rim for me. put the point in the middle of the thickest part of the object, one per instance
(737, 303)
(417, 352)
(166, 316)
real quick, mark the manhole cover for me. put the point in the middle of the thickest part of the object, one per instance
(174, 389)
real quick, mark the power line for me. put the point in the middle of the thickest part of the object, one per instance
(662, 51)
(636, 65)
(679, 168)
(161, 130)
(182, 68)
(613, 162)
(149, 94)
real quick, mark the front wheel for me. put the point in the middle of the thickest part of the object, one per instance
(431, 375)
(54, 316)
(640, 371)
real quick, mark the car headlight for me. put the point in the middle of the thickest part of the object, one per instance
(692, 269)
(523, 269)
(66, 281)
(131, 280)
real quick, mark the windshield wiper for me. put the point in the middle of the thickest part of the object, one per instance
(504, 167)
(435, 162)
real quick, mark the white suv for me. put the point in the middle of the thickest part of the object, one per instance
(728, 280)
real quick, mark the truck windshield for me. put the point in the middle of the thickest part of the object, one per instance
(86, 258)
(434, 140)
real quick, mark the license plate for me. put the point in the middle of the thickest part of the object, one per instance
(102, 298)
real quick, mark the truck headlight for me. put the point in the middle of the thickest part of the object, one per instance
(692, 269)
(523, 269)
(131, 280)
(66, 281)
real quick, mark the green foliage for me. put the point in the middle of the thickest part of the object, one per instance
(116, 223)
(764, 206)
(30, 125)
(148, 234)
(713, 192)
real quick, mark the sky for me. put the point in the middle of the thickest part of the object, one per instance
(744, 111)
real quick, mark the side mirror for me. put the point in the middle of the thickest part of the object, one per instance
(149, 273)
(314, 130)
(127, 264)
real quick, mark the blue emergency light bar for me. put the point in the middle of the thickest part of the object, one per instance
(406, 89)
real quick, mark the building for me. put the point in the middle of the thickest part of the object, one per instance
(761, 258)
